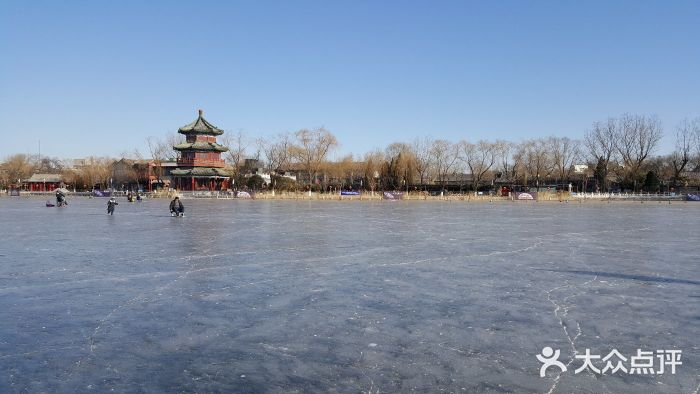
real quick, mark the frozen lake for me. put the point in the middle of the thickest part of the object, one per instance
(287, 296)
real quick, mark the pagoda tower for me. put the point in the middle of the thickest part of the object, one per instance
(199, 164)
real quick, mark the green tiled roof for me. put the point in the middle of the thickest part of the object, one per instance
(200, 126)
(201, 146)
(200, 172)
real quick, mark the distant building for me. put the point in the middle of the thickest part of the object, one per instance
(199, 166)
(330, 173)
(580, 168)
(159, 173)
(288, 175)
(78, 163)
(128, 174)
(255, 167)
(43, 182)
(457, 180)
(252, 164)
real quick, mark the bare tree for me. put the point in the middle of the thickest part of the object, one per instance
(696, 138)
(600, 142)
(400, 169)
(96, 171)
(160, 151)
(237, 143)
(662, 166)
(682, 155)
(537, 160)
(565, 153)
(341, 170)
(71, 176)
(131, 155)
(479, 159)
(423, 160)
(637, 137)
(444, 156)
(171, 139)
(373, 162)
(46, 165)
(276, 151)
(312, 148)
(507, 161)
(15, 168)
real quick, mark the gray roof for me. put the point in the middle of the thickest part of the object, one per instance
(40, 178)
(200, 126)
(200, 172)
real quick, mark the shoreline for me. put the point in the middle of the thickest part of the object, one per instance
(549, 199)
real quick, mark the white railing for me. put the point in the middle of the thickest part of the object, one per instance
(207, 194)
(628, 196)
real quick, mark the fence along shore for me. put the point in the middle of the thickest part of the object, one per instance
(541, 196)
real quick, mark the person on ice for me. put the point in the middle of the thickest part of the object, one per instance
(176, 207)
(60, 199)
(110, 205)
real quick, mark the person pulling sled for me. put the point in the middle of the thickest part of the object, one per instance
(60, 199)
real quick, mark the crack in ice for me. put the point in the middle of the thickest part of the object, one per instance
(431, 260)
(561, 320)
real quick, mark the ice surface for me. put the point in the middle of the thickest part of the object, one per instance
(284, 296)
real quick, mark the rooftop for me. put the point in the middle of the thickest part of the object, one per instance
(39, 178)
(200, 126)
(201, 172)
(201, 146)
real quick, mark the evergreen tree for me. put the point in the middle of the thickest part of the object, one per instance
(651, 182)
(600, 174)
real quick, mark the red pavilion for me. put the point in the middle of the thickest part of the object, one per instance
(199, 165)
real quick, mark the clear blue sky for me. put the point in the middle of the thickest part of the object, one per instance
(98, 77)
